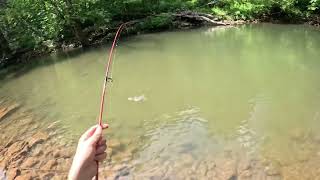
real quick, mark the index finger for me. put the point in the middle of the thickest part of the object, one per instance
(88, 133)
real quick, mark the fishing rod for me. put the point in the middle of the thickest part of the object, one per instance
(108, 78)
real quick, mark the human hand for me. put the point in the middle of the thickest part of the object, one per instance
(91, 149)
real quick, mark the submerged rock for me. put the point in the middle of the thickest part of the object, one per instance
(272, 171)
(245, 175)
(30, 162)
(12, 173)
(5, 111)
(227, 169)
(50, 165)
(114, 144)
(26, 176)
(37, 138)
(298, 134)
(29, 149)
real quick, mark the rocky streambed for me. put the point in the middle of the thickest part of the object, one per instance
(30, 148)
(33, 149)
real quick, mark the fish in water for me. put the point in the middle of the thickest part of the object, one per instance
(141, 98)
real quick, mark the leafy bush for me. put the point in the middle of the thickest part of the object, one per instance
(250, 9)
(162, 21)
(314, 6)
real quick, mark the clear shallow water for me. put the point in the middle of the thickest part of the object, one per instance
(255, 88)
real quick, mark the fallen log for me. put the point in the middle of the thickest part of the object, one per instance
(200, 18)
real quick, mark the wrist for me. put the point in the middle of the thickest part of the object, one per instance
(74, 171)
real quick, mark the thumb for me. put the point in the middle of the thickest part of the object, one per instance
(96, 135)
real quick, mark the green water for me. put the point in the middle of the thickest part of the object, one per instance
(251, 87)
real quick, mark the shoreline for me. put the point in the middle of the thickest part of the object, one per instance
(178, 21)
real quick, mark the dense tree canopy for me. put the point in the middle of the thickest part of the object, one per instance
(29, 25)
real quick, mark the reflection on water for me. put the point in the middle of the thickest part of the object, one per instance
(252, 88)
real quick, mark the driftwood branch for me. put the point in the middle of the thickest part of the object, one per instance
(200, 17)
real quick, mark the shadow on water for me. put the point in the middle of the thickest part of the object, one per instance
(15, 71)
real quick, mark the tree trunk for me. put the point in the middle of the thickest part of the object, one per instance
(4, 46)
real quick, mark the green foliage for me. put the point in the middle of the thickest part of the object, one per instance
(28, 25)
(155, 23)
(251, 9)
(314, 6)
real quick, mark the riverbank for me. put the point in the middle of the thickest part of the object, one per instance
(150, 24)
(103, 35)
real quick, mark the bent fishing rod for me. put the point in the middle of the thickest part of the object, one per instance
(108, 78)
